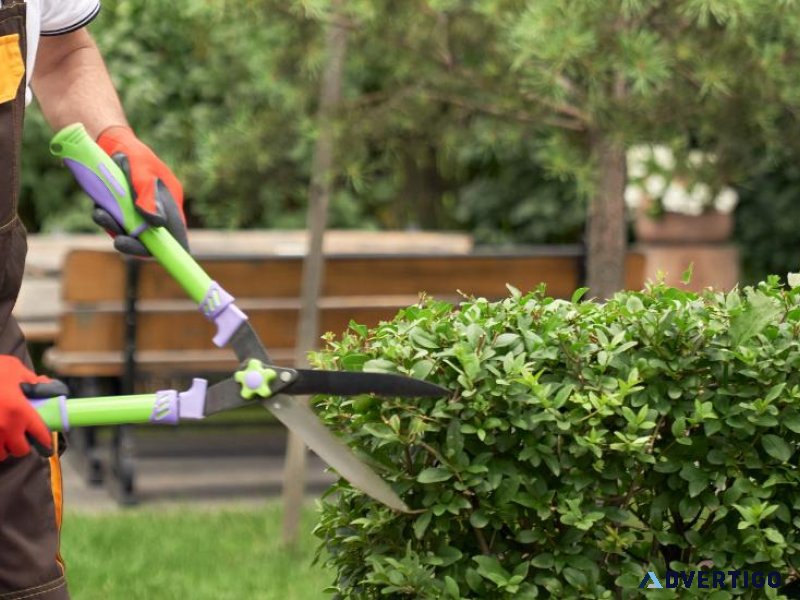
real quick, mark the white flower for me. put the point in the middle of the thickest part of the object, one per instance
(793, 279)
(701, 193)
(637, 158)
(633, 196)
(696, 158)
(637, 170)
(639, 154)
(655, 185)
(694, 206)
(727, 200)
(676, 198)
(664, 157)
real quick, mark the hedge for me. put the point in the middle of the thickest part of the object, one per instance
(583, 445)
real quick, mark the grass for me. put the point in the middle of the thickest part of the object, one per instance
(200, 554)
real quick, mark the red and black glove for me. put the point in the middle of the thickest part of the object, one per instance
(156, 191)
(20, 424)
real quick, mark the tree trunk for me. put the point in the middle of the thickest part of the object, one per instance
(606, 239)
(422, 190)
(313, 266)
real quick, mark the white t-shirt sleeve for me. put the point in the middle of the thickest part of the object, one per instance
(65, 16)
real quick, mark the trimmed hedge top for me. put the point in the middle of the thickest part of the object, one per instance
(583, 445)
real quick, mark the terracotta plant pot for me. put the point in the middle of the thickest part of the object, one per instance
(712, 227)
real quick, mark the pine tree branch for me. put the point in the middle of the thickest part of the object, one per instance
(514, 115)
(563, 108)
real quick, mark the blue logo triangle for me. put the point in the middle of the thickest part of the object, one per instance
(654, 584)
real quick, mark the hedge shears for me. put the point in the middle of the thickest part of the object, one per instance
(256, 380)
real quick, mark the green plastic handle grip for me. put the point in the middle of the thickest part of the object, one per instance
(165, 407)
(60, 414)
(107, 185)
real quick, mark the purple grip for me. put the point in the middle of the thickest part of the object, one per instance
(171, 406)
(218, 307)
(62, 409)
(97, 188)
(193, 401)
(165, 409)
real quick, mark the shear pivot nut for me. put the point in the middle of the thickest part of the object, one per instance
(255, 379)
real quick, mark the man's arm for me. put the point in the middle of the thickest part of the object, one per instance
(72, 84)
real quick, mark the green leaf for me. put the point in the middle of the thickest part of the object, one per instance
(776, 447)
(758, 313)
(455, 440)
(774, 536)
(575, 577)
(506, 339)
(791, 420)
(478, 519)
(526, 537)
(380, 430)
(469, 360)
(696, 487)
(474, 334)
(380, 365)
(543, 561)
(451, 586)
(434, 475)
(354, 362)
(422, 368)
(775, 391)
(474, 580)
(449, 555)
(421, 524)
(423, 339)
(686, 276)
(578, 294)
(489, 568)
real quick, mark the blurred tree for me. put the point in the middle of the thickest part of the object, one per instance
(227, 94)
(586, 78)
(319, 195)
(223, 90)
(503, 116)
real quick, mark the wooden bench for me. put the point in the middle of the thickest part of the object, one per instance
(126, 319)
(38, 306)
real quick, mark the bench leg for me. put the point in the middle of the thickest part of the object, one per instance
(83, 446)
(122, 467)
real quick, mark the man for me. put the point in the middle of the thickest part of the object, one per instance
(44, 45)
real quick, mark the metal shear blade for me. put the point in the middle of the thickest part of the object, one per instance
(274, 387)
(299, 418)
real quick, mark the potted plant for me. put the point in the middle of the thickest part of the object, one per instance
(678, 197)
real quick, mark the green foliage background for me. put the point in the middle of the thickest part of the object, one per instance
(442, 126)
(226, 94)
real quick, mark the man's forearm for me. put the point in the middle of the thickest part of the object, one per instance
(72, 84)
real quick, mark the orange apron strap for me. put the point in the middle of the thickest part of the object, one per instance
(12, 66)
(56, 484)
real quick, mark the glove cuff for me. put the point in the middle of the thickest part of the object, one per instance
(112, 138)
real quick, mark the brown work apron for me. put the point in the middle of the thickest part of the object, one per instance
(30, 487)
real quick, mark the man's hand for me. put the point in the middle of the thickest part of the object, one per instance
(156, 191)
(20, 424)
(73, 86)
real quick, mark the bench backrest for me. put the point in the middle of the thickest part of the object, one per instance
(172, 335)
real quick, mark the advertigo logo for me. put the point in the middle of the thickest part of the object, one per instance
(709, 580)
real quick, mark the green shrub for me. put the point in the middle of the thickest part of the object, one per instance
(583, 445)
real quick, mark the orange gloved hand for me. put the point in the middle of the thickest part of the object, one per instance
(156, 191)
(20, 424)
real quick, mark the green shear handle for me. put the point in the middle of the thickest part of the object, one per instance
(165, 407)
(105, 183)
